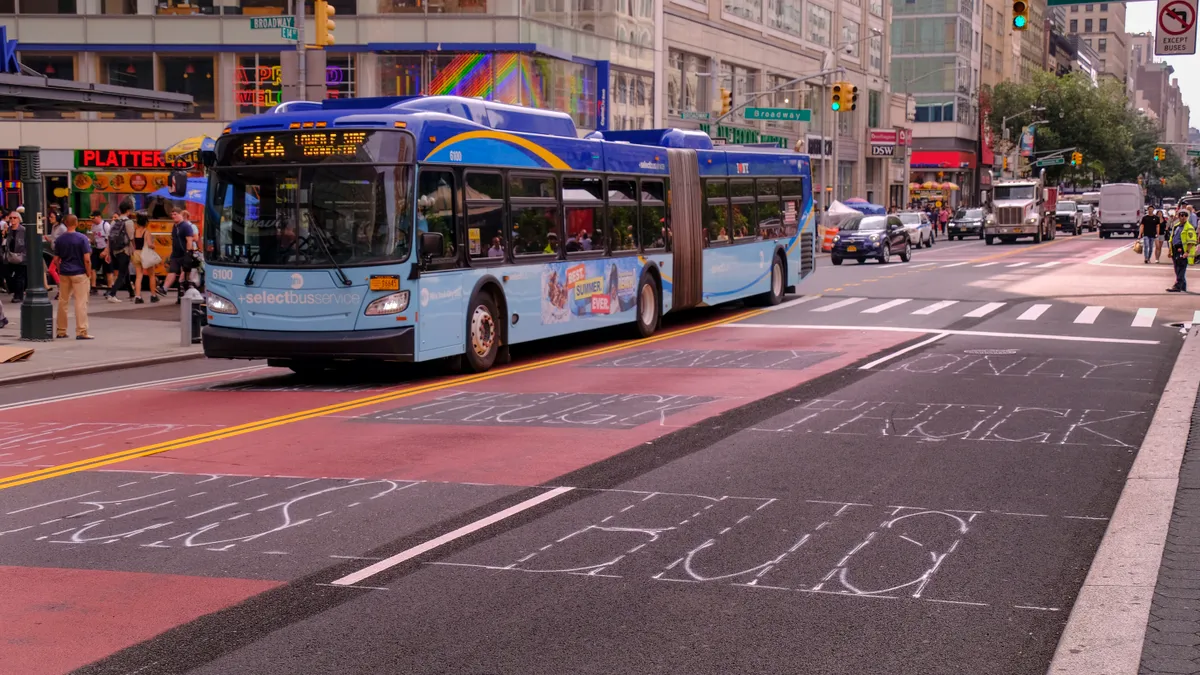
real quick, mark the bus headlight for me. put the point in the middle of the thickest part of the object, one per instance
(389, 304)
(218, 305)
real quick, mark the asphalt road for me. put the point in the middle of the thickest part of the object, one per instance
(907, 468)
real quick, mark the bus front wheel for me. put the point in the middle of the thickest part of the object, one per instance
(483, 332)
(649, 308)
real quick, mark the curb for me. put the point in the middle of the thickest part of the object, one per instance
(98, 368)
(1107, 625)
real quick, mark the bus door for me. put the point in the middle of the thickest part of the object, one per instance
(439, 294)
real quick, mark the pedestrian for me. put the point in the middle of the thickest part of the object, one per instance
(120, 248)
(1148, 232)
(1164, 224)
(1183, 251)
(145, 258)
(14, 256)
(183, 243)
(73, 253)
(100, 265)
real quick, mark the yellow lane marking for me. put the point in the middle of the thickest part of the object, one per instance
(259, 425)
(1015, 251)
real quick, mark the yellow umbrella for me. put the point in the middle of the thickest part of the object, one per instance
(189, 149)
(930, 185)
(949, 186)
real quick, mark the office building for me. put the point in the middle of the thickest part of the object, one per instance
(1102, 27)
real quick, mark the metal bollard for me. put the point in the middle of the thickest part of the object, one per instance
(192, 317)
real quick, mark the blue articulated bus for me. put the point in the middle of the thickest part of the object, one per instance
(418, 228)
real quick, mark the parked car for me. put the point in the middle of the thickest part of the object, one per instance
(919, 227)
(1067, 217)
(1091, 219)
(879, 237)
(967, 223)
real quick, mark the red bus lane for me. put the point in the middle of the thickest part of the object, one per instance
(529, 427)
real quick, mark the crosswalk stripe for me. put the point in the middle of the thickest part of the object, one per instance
(1089, 314)
(838, 305)
(1018, 264)
(793, 302)
(984, 311)
(1144, 317)
(1196, 317)
(887, 305)
(935, 307)
(1033, 313)
(957, 264)
(986, 264)
(1052, 263)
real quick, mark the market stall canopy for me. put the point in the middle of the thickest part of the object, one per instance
(188, 150)
(949, 186)
(866, 208)
(837, 212)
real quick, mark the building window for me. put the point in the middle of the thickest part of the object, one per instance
(257, 84)
(401, 75)
(875, 7)
(987, 18)
(781, 98)
(1102, 45)
(740, 81)
(431, 7)
(687, 83)
(874, 109)
(1103, 25)
(1074, 25)
(191, 75)
(1074, 8)
(127, 71)
(751, 10)
(44, 7)
(1087, 25)
(987, 56)
(55, 67)
(1104, 7)
(633, 107)
(875, 53)
(819, 20)
(1088, 42)
(850, 37)
(784, 15)
(1103, 65)
(1088, 8)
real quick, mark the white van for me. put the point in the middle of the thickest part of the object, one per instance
(1121, 209)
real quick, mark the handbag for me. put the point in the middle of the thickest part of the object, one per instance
(1137, 246)
(150, 258)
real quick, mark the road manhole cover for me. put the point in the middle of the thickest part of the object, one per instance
(990, 352)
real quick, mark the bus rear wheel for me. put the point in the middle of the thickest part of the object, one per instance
(775, 295)
(483, 332)
(649, 308)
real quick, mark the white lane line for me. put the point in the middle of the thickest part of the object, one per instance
(388, 563)
(975, 333)
(1144, 317)
(792, 303)
(984, 311)
(127, 387)
(957, 264)
(1018, 264)
(885, 306)
(838, 305)
(1089, 314)
(1196, 317)
(1033, 313)
(1052, 263)
(924, 264)
(986, 264)
(1099, 260)
(902, 352)
(935, 307)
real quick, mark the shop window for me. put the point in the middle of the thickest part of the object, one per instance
(257, 83)
(339, 76)
(55, 67)
(485, 215)
(433, 6)
(267, 7)
(622, 215)
(45, 7)
(191, 75)
(118, 6)
(436, 210)
(185, 7)
(400, 75)
(127, 71)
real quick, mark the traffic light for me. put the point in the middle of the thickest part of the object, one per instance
(323, 12)
(1162, 181)
(835, 97)
(853, 95)
(726, 101)
(1160, 154)
(1020, 20)
(1076, 159)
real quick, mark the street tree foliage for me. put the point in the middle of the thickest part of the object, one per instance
(1117, 142)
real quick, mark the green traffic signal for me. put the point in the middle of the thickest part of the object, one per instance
(1019, 21)
(835, 105)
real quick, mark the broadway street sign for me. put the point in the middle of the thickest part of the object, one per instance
(262, 22)
(782, 114)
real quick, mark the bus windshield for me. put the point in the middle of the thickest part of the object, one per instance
(310, 216)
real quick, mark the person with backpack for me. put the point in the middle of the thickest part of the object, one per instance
(120, 249)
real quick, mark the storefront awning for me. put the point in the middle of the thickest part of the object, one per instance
(942, 159)
(37, 92)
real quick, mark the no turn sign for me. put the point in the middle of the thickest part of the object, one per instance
(1176, 32)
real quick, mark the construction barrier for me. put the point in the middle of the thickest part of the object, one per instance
(827, 239)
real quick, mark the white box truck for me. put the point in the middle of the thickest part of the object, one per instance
(1121, 209)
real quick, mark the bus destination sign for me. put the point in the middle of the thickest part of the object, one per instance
(299, 146)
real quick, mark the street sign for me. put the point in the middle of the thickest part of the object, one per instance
(782, 114)
(289, 33)
(1176, 32)
(1193, 153)
(689, 115)
(263, 22)
(1050, 161)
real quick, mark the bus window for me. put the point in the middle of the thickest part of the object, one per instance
(436, 209)
(622, 214)
(583, 202)
(716, 212)
(485, 216)
(654, 234)
(770, 223)
(793, 201)
(535, 230)
(742, 220)
(537, 187)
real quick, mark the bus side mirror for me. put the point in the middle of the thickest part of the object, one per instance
(431, 245)
(177, 184)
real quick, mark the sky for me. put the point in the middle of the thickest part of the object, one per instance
(1139, 18)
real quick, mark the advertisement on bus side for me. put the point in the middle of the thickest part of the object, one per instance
(583, 289)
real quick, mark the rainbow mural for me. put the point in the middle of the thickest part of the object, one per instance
(465, 75)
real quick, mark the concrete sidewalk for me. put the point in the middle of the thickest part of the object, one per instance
(127, 336)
